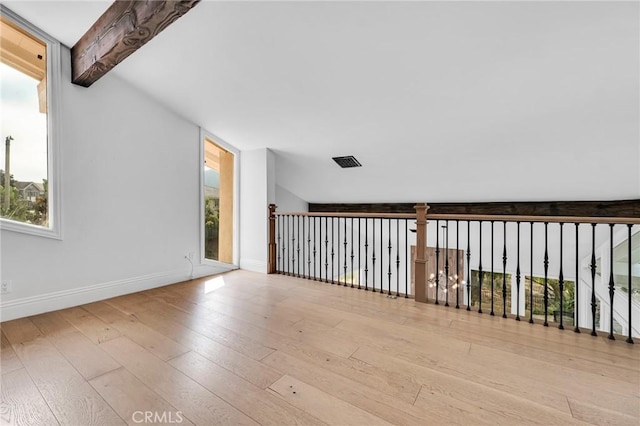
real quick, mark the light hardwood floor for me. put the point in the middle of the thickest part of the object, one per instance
(245, 348)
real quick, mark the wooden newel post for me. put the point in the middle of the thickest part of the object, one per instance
(420, 263)
(271, 265)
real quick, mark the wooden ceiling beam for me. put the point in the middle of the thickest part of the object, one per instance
(122, 29)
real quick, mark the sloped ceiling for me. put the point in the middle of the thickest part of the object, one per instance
(440, 101)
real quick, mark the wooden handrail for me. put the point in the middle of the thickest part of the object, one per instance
(477, 217)
(355, 215)
(542, 219)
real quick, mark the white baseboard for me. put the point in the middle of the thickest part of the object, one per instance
(253, 265)
(48, 302)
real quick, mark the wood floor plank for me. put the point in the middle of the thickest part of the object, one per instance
(131, 399)
(269, 318)
(72, 400)
(80, 351)
(172, 322)
(314, 334)
(469, 400)
(198, 404)
(322, 405)
(569, 357)
(349, 307)
(401, 387)
(509, 329)
(255, 402)
(600, 416)
(52, 324)
(89, 359)
(178, 301)
(21, 402)
(446, 357)
(129, 326)
(8, 359)
(391, 409)
(91, 326)
(20, 331)
(612, 394)
(243, 366)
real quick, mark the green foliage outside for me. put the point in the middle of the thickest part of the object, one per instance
(211, 227)
(22, 210)
(553, 285)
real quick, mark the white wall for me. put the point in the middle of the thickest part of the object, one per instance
(288, 202)
(257, 185)
(130, 190)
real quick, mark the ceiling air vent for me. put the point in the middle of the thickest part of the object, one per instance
(348, 161)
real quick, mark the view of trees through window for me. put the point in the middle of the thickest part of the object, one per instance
(553, 288)
(24, 191)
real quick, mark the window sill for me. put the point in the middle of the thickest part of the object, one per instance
(25, 228)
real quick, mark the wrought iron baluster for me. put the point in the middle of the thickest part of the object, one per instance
(518, 273)
(366, 254)
(308, 246)
(389, 273)
(359, 246)
(345, 251)
(437, 261)
(406, 258)
(492, 273)
(288, 236)
(504, 270)
(576, 285)
(352, 253)
(630, 292)
(546, 276)
(612, 284)
(332, 248)
(326, 248)
(468, 265)
(446, 263)
(315, 275)
(300, 262)
(593, 280)
(561, 281)
(457, 264)
(480, 275)
(397, 257)
(338, 242)
(293, 245)
(279, 262)
(531, 279)
(373, 247)
(381, 258)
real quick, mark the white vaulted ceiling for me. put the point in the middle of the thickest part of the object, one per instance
(440, 101)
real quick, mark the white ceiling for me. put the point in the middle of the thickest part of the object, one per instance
(440, 101)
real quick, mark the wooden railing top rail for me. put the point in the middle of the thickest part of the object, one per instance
(542, 219)
(354, 215)
(475, 217)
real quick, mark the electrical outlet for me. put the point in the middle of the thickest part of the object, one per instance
(5, 287)
(190, 255)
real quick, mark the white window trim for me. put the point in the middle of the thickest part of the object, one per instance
(54, 157)
(236, 198)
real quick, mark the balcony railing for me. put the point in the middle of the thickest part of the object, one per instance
(574, 272)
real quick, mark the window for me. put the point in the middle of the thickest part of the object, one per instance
(218, 202)
(29, 85)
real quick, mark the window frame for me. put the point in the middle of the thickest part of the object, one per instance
(54, 166)
(204, 134)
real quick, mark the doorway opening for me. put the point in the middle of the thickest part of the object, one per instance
(218, 202)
